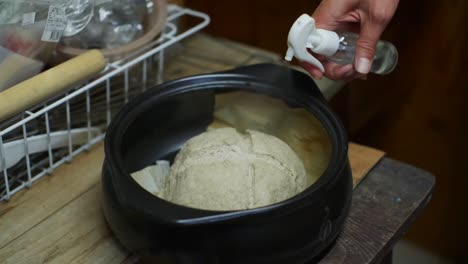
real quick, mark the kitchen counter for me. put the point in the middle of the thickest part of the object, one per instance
(59, 220)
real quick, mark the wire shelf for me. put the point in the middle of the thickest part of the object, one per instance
(36, 142)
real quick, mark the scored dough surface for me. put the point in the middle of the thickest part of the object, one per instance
(223, 169)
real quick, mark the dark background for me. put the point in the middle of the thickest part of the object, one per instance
(417, 114)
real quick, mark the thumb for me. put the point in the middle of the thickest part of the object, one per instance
(366, 45)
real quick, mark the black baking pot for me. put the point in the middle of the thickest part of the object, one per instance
(155, 124)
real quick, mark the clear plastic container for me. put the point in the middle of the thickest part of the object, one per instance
(385, 59)
(30, 31)
(115, 23)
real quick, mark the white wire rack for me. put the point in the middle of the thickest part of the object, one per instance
(43, 138)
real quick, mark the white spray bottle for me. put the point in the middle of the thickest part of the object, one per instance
(337, 47)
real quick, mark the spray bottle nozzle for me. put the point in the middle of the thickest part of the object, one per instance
(304, 35)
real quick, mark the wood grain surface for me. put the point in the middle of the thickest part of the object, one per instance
(47, 196)
(362, 160)
(385, 204)
(76, 233)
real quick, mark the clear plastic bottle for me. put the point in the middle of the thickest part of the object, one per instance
(114, 24)
(336, 47)
(30, 31)
(78, 14)
(385, 59)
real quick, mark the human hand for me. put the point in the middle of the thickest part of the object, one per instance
(368, 18)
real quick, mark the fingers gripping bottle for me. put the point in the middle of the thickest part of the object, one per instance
(336, 47)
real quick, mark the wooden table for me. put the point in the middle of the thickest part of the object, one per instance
(59, 220)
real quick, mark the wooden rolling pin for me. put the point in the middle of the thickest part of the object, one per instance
(49, 83)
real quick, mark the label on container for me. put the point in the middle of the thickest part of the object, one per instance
(55, 24)
(28, 19)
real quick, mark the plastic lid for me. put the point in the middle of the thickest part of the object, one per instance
(304, 35)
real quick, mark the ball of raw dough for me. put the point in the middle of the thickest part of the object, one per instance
(223, 169)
